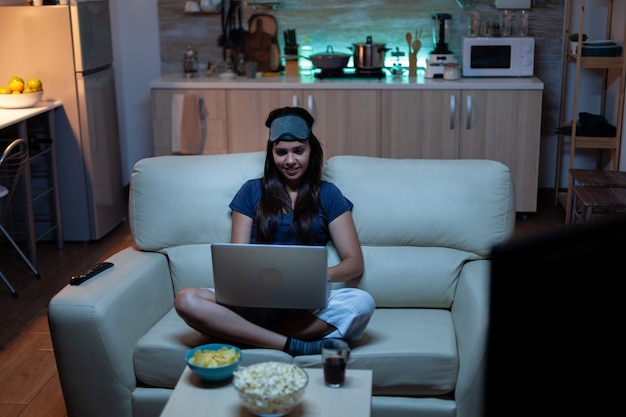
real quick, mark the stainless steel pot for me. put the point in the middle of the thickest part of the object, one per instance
(330, 60)
(369, 55)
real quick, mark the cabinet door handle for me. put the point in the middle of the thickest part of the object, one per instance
(452, 111)
(310, 106)
(295, 100)
(309, 103)
(468, 113)
(203, 116)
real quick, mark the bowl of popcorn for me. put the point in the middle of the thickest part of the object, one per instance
(214, 362)
(270, 389)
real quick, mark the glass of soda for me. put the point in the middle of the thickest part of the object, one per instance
(335, 354)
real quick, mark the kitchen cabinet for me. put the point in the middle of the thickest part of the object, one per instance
(216, 123)
(612, 70)
(492, 118)
(346, 121)
(420, 124)
(499, 124)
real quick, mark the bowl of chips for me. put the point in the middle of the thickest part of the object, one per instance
(215, 361)
(270, 389)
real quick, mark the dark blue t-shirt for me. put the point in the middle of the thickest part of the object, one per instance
(334, 204)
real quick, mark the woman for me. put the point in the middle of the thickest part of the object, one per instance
(289, 205)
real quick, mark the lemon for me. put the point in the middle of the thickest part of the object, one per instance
(16, 86)
(16, 92)
(35, 84)
(4, 90)
(28, 90)
(16, 78)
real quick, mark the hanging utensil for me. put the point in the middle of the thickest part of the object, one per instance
(408, 37)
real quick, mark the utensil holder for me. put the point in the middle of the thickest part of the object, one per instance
(412, 65)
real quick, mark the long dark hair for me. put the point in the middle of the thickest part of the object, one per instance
(274, 197)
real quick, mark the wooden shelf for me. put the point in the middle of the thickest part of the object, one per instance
(603, 65)
(598, 62)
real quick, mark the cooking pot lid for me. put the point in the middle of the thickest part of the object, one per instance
(330, 53)
(369, 42)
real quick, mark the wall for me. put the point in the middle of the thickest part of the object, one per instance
(150, 37)
(136, 54)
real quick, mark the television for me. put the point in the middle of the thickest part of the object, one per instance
(556, 322)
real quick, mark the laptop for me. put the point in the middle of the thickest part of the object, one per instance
(270, 276)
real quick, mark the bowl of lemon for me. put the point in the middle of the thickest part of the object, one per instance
(20, 94)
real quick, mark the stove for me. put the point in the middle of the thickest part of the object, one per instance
(350, 73)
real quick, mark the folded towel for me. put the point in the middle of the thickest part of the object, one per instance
(186, 124)
(589, 125)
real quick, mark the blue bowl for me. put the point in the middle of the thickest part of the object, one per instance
(213, 373)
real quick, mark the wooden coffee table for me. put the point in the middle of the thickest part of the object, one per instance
(193, 397)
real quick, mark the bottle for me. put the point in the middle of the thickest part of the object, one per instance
(229, 66)
(190, 62)
(241, 65)
(305, 52)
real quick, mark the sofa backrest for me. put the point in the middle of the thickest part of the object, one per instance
(183, 200)
(459, 203)
(419, 221)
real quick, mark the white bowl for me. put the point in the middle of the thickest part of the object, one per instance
(229, 75)
(20, 101)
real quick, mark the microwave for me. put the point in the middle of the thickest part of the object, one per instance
(499, 57)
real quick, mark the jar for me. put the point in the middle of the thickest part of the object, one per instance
(451, 71)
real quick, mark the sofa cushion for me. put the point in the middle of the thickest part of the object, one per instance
(159, 357)
(407, 276)
(191, 266)
(411, 352)
(406, 348)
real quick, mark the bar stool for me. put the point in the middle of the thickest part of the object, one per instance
(604, 200)
(590, 201)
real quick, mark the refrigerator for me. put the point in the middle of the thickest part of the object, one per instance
(69, 48)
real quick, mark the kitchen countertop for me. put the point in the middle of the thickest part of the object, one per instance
(10, 117)
(309, 82)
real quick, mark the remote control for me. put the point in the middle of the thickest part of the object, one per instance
(91, 272)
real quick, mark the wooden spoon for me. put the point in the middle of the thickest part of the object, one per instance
(417, 44)
(409, 37)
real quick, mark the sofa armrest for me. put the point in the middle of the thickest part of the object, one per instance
(95, 327)
(470, 313)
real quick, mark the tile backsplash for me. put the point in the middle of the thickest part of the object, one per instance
(320, 23)
(344, 23)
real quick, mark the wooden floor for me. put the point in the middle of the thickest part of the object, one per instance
(29, 382)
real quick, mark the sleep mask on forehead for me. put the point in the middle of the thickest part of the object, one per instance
(289, 127)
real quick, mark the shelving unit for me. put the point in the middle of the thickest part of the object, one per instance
(611, 69)
(38, 210)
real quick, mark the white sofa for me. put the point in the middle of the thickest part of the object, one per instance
(426, 228)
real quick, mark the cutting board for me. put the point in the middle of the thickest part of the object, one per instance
(262, 42)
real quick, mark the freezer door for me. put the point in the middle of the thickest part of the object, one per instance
(101, 149)
(91, 34)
